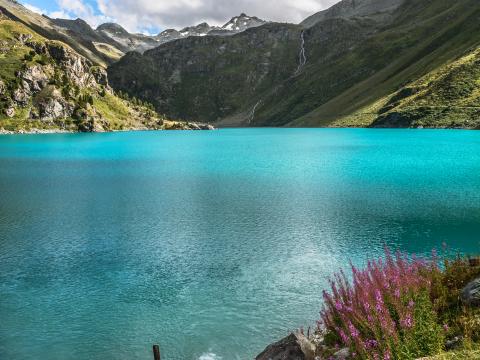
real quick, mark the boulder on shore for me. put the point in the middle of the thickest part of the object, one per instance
(286, 349)
(471, 293)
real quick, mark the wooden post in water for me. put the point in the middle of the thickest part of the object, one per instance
(156, 352)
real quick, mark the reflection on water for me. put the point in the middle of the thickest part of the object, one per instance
(212, 244)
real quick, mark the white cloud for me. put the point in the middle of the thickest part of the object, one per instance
(78, 8)
(72, 9)
(135, 15)
(145, 15)
(35, 9)
(54, 14)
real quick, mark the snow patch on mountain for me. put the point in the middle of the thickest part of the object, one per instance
(141, 43)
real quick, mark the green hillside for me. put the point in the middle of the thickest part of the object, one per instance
(446, 97)
(44, 84)
(45, 27)
(441, 37)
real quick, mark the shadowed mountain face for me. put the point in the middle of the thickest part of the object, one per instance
(347, 66)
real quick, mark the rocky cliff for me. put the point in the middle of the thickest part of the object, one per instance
(208, 78)
(46, 86)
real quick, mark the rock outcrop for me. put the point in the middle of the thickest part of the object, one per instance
(180, 125)
(21, 96)
(342, 354)
(297, 346)
(471, 293)
(33, 78)
(52, 105)
(49, 86)
(10, 112)
(77, 68)
(286, 349)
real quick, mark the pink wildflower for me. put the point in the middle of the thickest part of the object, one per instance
(353, 331)
(407, 322)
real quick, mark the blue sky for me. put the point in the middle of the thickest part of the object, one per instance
(71, 9)
(152, 16)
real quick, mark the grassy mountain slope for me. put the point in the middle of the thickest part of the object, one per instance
(448, 96)
(44, 84)
(377, 10)
(82, 44)
(354, 65)
(443, 33)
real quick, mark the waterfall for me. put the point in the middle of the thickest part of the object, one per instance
(252, 114)
(302, 60)
(302, 57)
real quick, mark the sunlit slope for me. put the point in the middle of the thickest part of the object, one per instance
(431, 78)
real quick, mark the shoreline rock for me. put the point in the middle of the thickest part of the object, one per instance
(471, 293)
(286, 349)
(35, 131)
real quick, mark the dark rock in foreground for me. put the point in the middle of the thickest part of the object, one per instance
(471, 293)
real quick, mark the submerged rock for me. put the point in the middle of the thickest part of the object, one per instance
(471, 293)
(286, 349)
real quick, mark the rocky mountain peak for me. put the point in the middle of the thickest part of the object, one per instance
(113, 28)
(78, 24)
(242, 22)
(197, 30)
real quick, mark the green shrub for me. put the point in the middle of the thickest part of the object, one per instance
(426, 337)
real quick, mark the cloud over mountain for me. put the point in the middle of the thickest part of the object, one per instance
(142, 15)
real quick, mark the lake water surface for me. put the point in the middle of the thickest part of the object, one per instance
(211, 244)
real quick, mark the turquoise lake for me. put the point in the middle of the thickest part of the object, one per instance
(212, 244)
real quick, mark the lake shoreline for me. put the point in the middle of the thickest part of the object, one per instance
(202, 126)
(172, 126)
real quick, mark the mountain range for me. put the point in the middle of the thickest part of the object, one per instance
(111, 35)
(388, 63)
(360, 63)
(109, 42)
